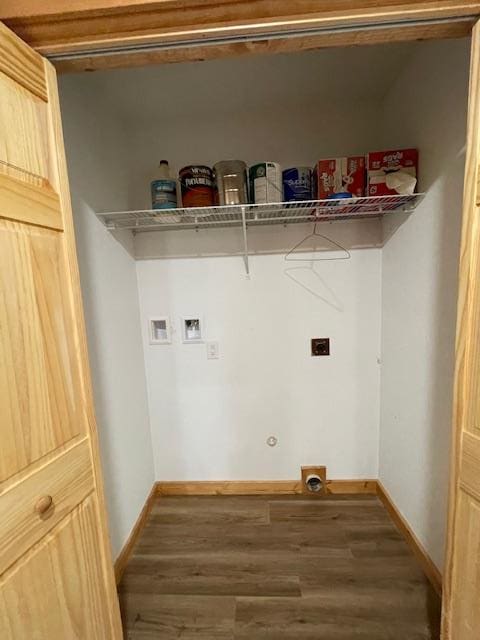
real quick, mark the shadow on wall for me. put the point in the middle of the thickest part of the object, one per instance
(110, 299)
(262, 240)
(124, 238)
(443, 357)
(426, 108)
(307, 277)
(90, 235)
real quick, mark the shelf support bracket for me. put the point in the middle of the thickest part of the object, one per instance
(245, 242)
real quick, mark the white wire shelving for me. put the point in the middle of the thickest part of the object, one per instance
(256, 214)
(250, 215)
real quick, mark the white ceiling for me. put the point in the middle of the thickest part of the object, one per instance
(191, 89)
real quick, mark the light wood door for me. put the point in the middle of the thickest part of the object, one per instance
(56, 576)
(461, 605)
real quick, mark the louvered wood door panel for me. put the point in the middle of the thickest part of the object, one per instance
(56, 576)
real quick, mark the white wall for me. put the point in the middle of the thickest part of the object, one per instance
(295, 134)
(298, 134)
(211, 418)
(425, 108)
(95, 150)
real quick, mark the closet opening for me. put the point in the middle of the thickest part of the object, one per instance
(239, 347)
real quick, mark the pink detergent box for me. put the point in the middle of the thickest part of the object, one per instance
(382, 165)
(340, 175)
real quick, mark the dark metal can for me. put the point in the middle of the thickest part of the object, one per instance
(197, 186)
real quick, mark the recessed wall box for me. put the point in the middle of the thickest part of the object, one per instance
(320, 346)
(159, 330)
(192, 329)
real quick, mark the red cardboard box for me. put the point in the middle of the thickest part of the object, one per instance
(382, 163)
(339, 175)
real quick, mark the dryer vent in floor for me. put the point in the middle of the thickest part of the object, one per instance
(275, 568)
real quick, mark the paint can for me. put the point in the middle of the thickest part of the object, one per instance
(197, 186)
(266, 183)
(297, 184)
(231, 178)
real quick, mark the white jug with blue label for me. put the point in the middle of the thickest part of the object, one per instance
(164, 188)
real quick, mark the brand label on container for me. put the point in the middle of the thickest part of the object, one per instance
(383, 163)
(266, 183)
(164, 194)
(297, 184)
(335, 176)
(197, 186)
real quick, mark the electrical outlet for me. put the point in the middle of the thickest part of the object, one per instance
(320, 346)
(213, 351)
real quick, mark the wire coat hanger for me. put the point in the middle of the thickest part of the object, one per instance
(315, 234)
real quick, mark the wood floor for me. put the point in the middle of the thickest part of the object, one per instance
(275, 568)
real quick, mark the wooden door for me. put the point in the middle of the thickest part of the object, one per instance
(461, 600)
(56, 577)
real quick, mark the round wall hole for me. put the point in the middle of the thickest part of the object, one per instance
(314, 483)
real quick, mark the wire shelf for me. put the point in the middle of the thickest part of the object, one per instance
(260, 214)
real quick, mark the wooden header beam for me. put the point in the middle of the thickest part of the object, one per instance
(178, 30)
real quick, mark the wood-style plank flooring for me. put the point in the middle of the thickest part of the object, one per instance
(275, 568)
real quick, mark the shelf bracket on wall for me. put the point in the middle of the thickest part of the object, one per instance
(248, 216)
(245, 241)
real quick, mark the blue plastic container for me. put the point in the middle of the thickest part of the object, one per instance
(164, 194)
(297, 184)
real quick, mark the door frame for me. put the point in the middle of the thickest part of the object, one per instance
(466, 364)
(99, 34)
